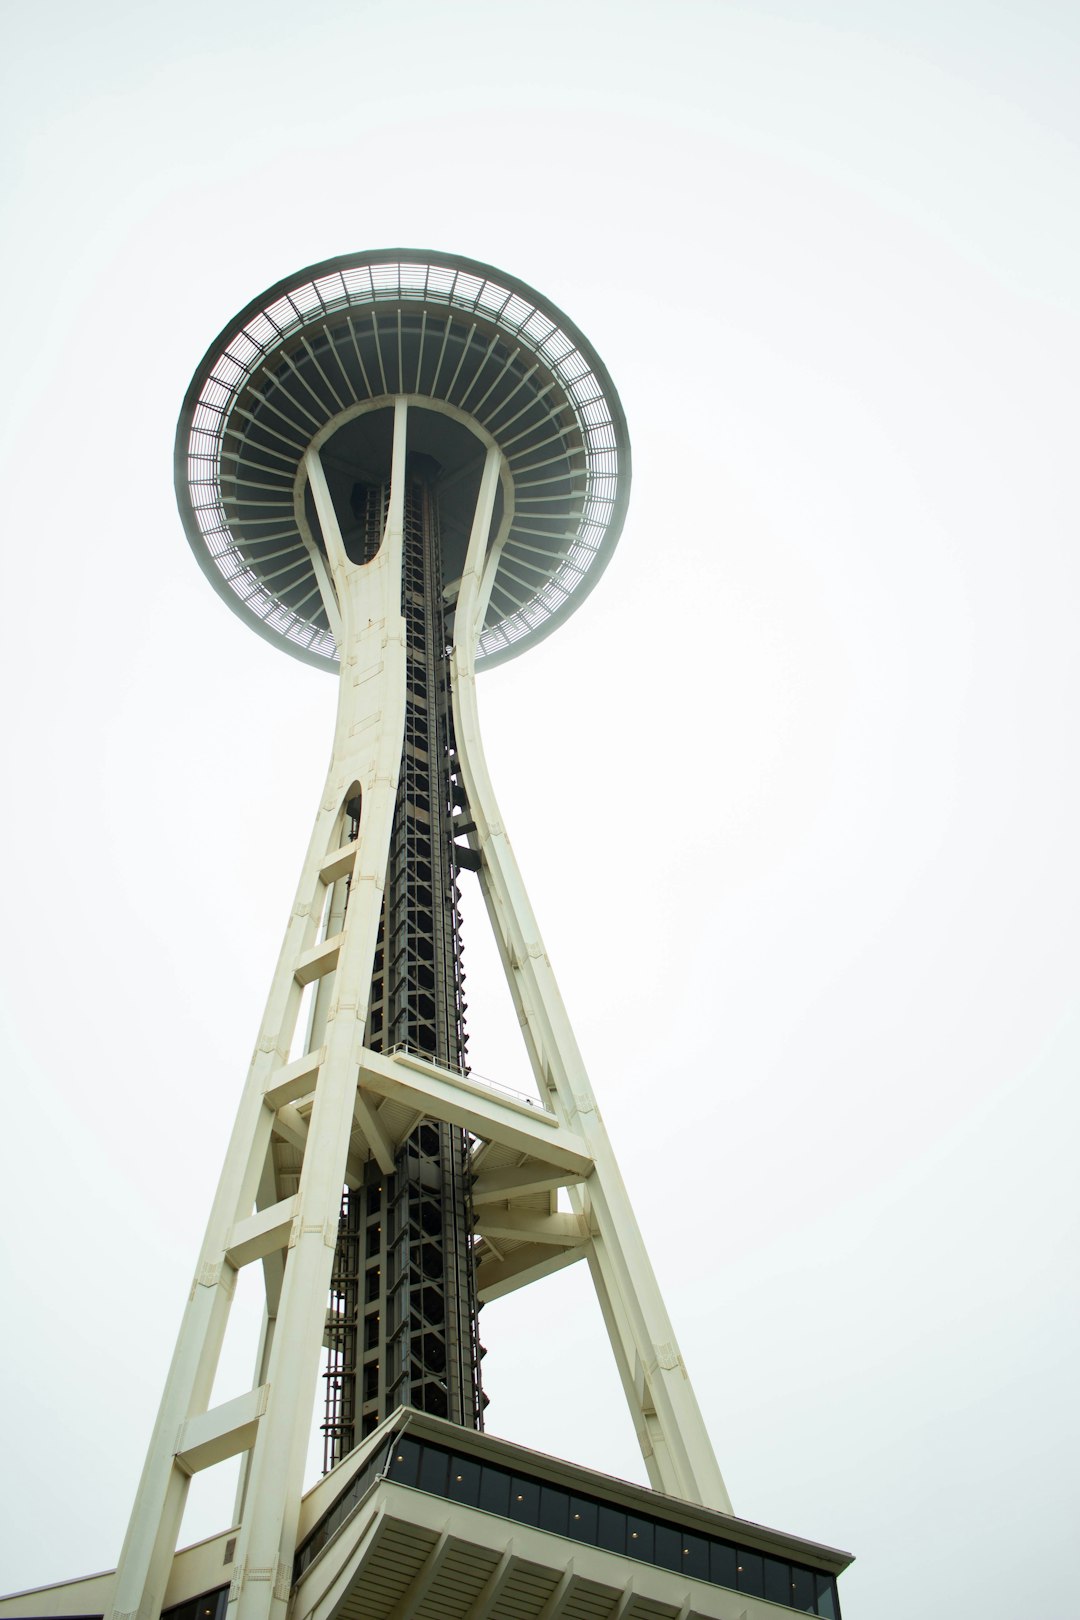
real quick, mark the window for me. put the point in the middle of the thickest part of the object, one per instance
(722, 1561)
(640, 1537)
(433, 1470)
(404, 1462)
(802, 1590)
(611, 1528)
(494, 1490)
(669, 1546)
(777, 1581)
(582, 1521)
(464, 1480)
(751, 1572)
(695, 1557)
(826, 1597)
(552, 1508)
(524, 1499)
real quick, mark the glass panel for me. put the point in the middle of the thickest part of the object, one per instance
(751, 1573)
(524, 1499)
(494, 1490)
(404, 1461)
(433, 1467)
(582, 1523)
(611, 1529)
(777, 1582)
(464, 1480)
(802, 1589)
(722, 1564)
(640, 1537)
(695, 1557)
(208, 1607)
(669, 1546)
(554, 1509)
(826, 1597)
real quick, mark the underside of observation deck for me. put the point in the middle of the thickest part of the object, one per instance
(483, 352)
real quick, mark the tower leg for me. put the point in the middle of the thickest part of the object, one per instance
(672, 1435)
(273, 1421)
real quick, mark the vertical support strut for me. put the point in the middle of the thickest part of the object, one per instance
(367, 750)
(674, 1443)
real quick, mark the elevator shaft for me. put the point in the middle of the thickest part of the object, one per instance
(402, 1319)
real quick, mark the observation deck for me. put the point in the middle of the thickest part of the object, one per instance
(318, 360)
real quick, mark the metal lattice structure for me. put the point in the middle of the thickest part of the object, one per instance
(400, 466)
(403, 1315)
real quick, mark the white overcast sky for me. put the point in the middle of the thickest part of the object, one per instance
(795, 793)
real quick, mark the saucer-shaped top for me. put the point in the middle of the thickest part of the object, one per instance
(480, 358)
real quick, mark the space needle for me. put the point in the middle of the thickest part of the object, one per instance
(402, 466)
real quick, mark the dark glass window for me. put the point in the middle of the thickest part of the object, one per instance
(751, 1572)
(554, 1509)
(582, 1522)
(531, 1501)
(802, 1589)
(524, 1499)
(695, 1557)
(611, 1528)
(669, 1546)
(494, 1490)
(465, 1480)
(208, 1607)
(640, 1537)
(433, 1469)
(777, 1581)
(404, 1461)
(722, 1564)
(826, 1597)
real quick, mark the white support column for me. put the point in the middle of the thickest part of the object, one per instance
(675, 1445)
(275, 1421)
(367, 749)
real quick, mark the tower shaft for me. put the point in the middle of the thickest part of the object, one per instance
(402, 1325)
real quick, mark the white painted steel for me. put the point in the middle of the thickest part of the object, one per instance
(317, 1100)
(670, 1430)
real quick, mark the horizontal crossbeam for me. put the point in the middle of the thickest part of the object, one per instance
(497, 1277)
(223, 1432)
(559, 1230)
(444, 1095)
(261, 1234)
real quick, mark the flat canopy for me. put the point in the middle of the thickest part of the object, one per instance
(481, 358)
